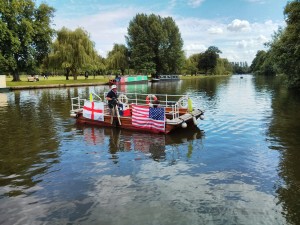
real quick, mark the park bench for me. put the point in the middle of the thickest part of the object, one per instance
(32, 79)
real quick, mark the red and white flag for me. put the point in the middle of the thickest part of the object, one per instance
(148, 118)
(93, 110)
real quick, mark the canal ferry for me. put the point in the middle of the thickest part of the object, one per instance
(159, 113)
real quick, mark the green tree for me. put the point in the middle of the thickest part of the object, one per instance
(208, 60)
(285, 48)
(25, 35)
(155, 44)
(73, 50)
(118, 58)
(191, 64)
(258, 61)
(223, 67)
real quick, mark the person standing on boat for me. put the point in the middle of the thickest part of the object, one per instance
(112, 97)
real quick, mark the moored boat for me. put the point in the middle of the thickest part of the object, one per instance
(169, 77)
(128, 79)
(154, 80)
(160, 113)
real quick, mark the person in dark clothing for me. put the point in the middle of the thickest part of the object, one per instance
(112, 97)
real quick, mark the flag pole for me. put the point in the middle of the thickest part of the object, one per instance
(112, 115)
(118, 115)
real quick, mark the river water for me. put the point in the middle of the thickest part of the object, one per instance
(240, 166)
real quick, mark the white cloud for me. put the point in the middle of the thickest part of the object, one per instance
(194, 48)
(199, 34)
(238, 25)
(105, 28)
(262, 39)
(109, 25)
(195, 3)
(215, 30)
(242, 44)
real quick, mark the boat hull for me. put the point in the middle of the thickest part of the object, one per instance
(126, 123)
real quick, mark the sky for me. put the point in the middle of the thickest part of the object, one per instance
(239, 28)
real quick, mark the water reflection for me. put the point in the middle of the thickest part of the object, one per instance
(244, 170)
(3, 100)
(152, 145)
(283, 136)
(28, 143)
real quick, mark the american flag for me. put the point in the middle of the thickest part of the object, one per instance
(148, 118)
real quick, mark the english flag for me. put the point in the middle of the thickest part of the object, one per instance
(93, 110)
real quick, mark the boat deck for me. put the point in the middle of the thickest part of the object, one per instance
(177, 112)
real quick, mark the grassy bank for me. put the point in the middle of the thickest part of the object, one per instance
(61, 80)
(189, 77)
(56, 80)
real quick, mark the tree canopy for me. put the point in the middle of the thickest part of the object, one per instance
(73, 50)
(155, 44)
(208, 60)
(283, 55)
(118, 58)
(25, 35)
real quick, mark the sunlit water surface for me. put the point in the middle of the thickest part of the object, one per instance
(240, 166)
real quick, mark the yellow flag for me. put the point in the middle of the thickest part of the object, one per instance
(190, 105)
(91, 97)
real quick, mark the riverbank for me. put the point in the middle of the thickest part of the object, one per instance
(61, 82)
(54, 86)
(55, 82)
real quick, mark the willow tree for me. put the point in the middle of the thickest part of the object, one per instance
(155, 43)
(25, 35)
(191, 64)
(72, 50)
(118, 58)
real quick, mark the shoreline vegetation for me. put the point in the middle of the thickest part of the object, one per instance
(60, 81)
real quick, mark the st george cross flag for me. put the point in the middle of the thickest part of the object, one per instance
(93, 110)
(148, 118)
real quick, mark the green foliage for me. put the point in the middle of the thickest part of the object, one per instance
(258, 61)
(72, 51)
(223, 67)
(240, 68)
(155, 44)
(191, 64)
(25, 35)
(118, 58)
(286, 49)
(208, 60)
(283, 55)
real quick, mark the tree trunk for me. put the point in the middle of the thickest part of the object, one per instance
(122, 72)
(75, 74)
(67, 73)
(16, 76)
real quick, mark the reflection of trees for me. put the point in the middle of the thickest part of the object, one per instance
(28, 141)
(284, 135)
(209, 85)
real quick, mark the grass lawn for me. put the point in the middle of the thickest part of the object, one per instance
(61, 80)
(55, 80)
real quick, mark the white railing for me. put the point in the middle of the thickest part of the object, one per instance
(165, 100)
(76, 103)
